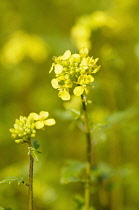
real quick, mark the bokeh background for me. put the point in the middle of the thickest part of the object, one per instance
(31, 33)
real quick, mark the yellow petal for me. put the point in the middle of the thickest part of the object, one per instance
(90, 78)
(84, 51)
(39, 124)
(64, 95)
(50, 122)
(34, 116)
(44, 114)
(54, 83)
(58, 68)
(86, 90)
(51, 69)
(96, 70)
(81, 79)
(84, 62)
(78, 90)
(66, 55)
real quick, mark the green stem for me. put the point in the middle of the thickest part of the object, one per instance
(88, 156)
(30, 180)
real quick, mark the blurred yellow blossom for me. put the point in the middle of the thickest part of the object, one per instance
(21, 45)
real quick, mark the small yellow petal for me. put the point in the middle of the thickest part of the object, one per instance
(84, 51)
(90, 79)
(81, 79)
(51, 69)
(50, 122)
(86, 90)
(44, 114)
(96, 70)
(84, 62)
(58, 68)
(54, 83)
(64, 95)
(66, 55)
(78, 90)
(39, 125)
(34, 116)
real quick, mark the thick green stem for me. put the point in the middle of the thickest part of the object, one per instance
(88, 156)
(30, 180)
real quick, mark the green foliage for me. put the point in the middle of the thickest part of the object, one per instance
(79, 202)
(3, 208)
(9, 180)
(34, 150)
(101, 172)
(122, 116)
(73, 172)
(99, 132)
(75, 113)
(36, 145)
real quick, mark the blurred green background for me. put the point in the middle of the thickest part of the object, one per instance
(31, 33)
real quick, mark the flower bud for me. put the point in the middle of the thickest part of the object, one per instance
(18, 141)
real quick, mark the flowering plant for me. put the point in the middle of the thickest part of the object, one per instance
(25, 127)
(24, 131)
(73, 71)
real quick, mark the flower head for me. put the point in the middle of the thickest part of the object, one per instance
(25, 127)
(73, 71)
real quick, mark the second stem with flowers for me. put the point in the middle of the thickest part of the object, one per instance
(24, 131)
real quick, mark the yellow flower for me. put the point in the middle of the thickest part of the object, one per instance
(41, 119)
(25, 127)
(73, 71)
(64, 95)
(85, 79)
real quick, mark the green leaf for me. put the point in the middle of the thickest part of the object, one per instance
(76, 113)
(9, 180)
(99, 132)
(34, 154)
(73, 172)
(79, 202)
(121, 116)
(36, 145)
(103, 171)
(3, 208)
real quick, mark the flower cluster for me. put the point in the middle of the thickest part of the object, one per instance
(73, 71)
(25, 127)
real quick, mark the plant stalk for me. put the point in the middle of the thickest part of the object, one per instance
(30, 180)
(88, 155)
